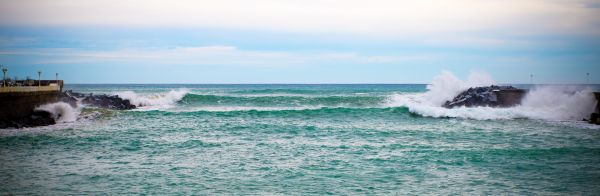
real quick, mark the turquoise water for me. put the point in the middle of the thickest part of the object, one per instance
(299, 140)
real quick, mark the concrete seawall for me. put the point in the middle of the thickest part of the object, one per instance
(20, 101)
(21, 104)
(28, 89)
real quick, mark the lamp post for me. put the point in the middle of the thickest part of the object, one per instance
(39, 78)
(1, 67)
(4, 70)
(530, 78)
(588, 78)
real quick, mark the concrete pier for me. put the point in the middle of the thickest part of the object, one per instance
(17, 102)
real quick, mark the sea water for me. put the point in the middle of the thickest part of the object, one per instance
(298, 139)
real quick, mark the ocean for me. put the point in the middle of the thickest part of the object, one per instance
(307, 139)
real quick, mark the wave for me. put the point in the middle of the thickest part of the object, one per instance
(274, 111)
(160, 100)
(541, 102)
(279, 91)
(61, 112)
(556, 103)
(559, 102)
(282, 101)
(446, 86)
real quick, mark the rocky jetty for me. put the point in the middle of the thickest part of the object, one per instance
(595, 117)
(490, 96)
(101, 101)
(30, 117)
(34, 119)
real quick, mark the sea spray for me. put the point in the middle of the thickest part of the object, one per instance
(61, 112)
(542, 102)
(158, 100)
(445, 86)
(559, 103)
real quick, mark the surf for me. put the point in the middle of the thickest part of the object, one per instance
(546, 102)
(61, 112)
(155, 100)
(192, 100)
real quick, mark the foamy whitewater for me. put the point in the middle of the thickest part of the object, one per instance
(278, 139)
(160, 100)
(541, 102)
(61, 112)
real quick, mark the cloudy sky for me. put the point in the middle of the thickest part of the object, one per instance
(300, 41)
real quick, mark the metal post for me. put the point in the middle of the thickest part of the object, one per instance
(39, 78)
(531, 79)
(4, 70)
(3, 76)
(588, 78)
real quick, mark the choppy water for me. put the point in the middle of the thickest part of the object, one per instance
(304, 139)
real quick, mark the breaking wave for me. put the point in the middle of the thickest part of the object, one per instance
(541, 102)
(160, 100)
(559, 103)
(61, 112)
(446, 86)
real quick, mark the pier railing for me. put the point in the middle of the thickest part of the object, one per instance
(37, 86)
(21, 89)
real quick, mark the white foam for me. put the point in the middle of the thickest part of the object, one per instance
(557, 103)
(154, 101)
(446, 86)
(61, 112)
(244, 108)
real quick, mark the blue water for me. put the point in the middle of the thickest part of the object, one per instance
(300, 140)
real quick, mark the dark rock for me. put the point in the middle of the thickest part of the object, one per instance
(491, 96)
(34, 119)
(595, 118)
(102, 101)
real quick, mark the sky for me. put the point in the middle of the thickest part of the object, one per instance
(300, 41)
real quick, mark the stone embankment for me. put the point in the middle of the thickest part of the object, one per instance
(113, 102)
(490, 96)
(18, 105)
(595, 117)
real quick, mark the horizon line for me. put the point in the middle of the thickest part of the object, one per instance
(308, 84)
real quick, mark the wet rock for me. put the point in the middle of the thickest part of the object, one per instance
(34, 119)
(102, 101)
(491, 96)
(594, 118)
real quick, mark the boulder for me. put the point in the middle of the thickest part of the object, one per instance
(490, 96)
(101, 101)
(34, 119)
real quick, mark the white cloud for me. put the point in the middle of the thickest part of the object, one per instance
(389, 18)
(206, 55)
